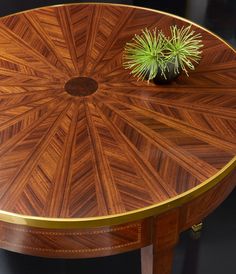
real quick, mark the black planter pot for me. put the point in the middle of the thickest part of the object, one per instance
(170, 75)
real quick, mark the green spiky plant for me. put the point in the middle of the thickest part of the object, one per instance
(152, 52)
(145, 54)
(183, 48)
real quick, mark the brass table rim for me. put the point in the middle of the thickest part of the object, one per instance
(134, 215)
(66, 223)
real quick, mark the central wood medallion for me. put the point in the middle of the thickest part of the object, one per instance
(81, 86)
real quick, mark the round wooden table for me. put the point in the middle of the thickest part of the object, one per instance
(94, 163)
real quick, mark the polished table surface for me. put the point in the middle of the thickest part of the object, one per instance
(83, 145)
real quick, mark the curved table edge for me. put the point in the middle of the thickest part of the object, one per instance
(142, 213)
(122, 218)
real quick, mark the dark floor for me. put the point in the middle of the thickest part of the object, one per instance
(215, 251)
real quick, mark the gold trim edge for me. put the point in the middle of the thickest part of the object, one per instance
(135, 215)
(117, 219)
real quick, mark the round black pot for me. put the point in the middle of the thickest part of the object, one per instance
(170, 75)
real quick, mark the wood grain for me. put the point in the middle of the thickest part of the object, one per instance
(124, 147)
(159, 234)
(71, 243)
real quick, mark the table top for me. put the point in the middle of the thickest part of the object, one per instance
(82, 141)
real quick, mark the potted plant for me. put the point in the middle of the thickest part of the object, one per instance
(144, 55)
(153, 56)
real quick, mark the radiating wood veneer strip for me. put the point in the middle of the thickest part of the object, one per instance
(94, 15)
(35, 24)
(223, 112)
(109, 190)
(26, 100)
(151, 176)
(60, 192)
(11, 143)
(66, 26)
(21, 115)
(6, 55)
(15, 189)
(12, 73)
(152, 90)
(49, 85)
(123, 21)
(21, 43)
(189, 162)
(27, 92)
(215, 139)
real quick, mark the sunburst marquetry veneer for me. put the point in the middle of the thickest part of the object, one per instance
(94, 163)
